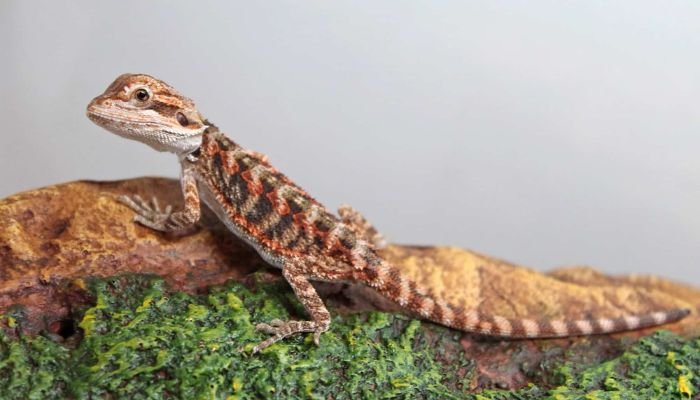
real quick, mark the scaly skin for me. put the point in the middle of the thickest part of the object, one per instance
(288, 227)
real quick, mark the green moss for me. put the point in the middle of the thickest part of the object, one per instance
(660, 366)
(143, 341)
(140, 341)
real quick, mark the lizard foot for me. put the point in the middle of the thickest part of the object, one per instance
(150, 214)
(281, 329)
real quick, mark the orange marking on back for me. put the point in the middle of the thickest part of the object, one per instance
(255, 231)
(300, 219)
(211, 147)
(280, 204)
(254, 186)
(229, 163)
(332, 242)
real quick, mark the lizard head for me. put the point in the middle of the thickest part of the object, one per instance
(143, 108)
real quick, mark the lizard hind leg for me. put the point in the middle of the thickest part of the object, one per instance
(305, 292)
(362, 227)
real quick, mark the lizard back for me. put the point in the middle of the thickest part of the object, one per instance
(265, 208)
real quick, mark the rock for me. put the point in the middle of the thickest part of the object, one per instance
(55, 242)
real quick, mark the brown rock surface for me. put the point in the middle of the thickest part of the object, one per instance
(62, 233)
(499, 287)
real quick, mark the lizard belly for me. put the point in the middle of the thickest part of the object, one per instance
(209, 198)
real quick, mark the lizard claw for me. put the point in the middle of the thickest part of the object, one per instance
(317, 337)
(143, 207)
(281, 329)
(150, 214)
(271, 328)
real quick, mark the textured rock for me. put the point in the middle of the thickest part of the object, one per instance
(67, 232)
(498, 287)
(53, 239)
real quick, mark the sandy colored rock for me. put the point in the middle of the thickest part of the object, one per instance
(498, 287)
(74, 230)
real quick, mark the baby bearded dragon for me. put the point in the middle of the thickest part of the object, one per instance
(288, 227)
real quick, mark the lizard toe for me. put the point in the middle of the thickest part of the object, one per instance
(317, 337)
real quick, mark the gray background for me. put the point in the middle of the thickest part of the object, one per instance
(547, 133)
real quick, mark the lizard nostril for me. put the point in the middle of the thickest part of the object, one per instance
(99, 103)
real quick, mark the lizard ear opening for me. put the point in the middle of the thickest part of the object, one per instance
(182, 119)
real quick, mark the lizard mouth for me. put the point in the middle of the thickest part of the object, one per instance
(98, 115)
(116, 122)
(111, 122)
(100, 119)
(96, 118)
(155, 135)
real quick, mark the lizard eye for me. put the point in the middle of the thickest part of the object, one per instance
(181, 119)
(142, 95)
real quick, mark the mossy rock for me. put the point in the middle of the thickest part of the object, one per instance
(95, 306)
(141, 340)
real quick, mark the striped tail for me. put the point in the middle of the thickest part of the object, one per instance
(392, 284)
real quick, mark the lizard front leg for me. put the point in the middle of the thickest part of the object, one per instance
(150, 214)
(295, 274)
